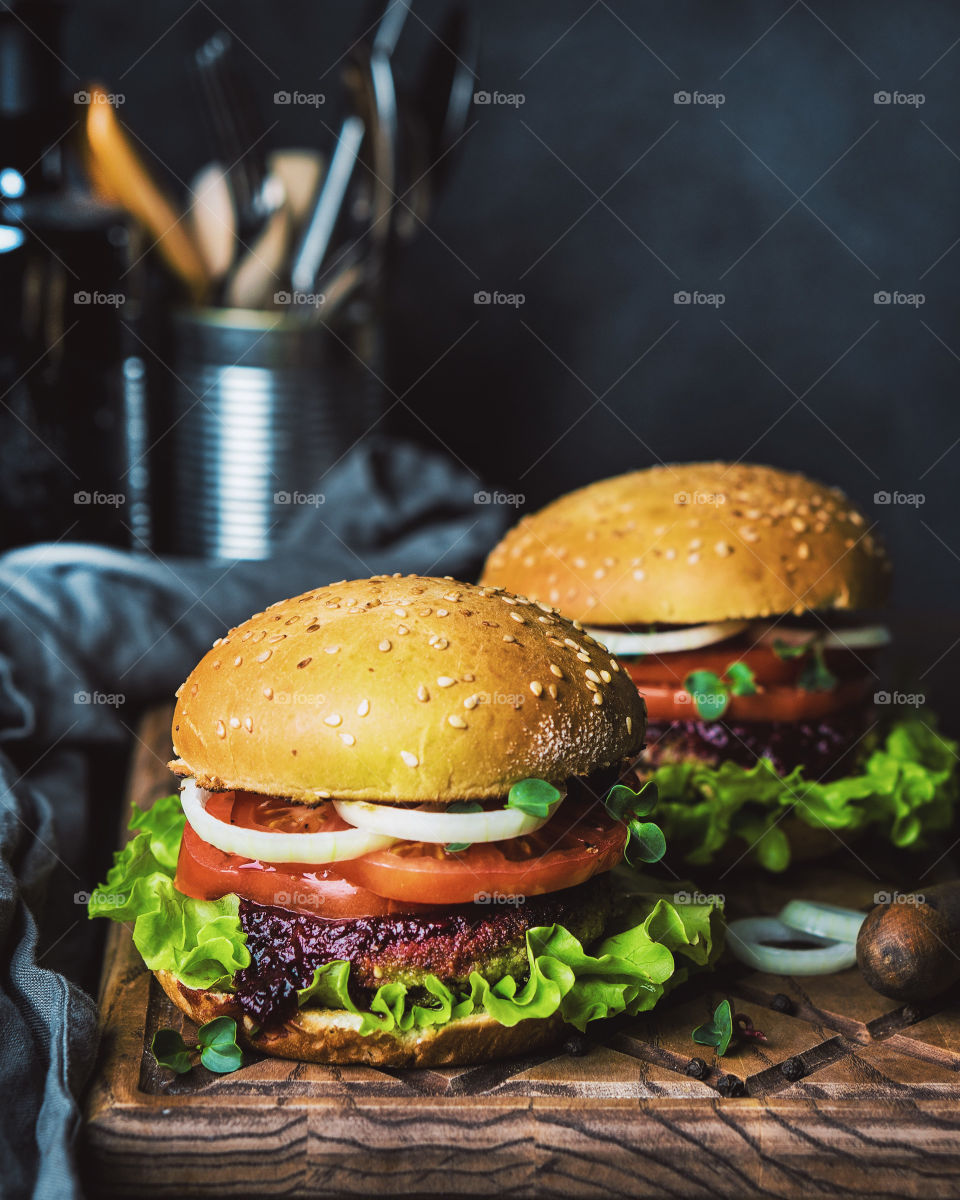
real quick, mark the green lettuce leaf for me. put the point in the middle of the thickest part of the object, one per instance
(905, 788)
(199, 941)
(660, 941)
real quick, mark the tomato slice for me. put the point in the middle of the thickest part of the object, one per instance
(206, 873)
(766, 665)
(669, 702)
(577, 843)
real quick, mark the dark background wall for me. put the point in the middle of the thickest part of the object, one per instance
(798, 198)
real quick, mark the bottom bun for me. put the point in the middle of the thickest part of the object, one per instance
(333, 1036)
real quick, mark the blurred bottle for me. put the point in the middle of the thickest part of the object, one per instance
(66, 438)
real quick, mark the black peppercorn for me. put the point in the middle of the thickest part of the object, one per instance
(781, 1003)
(730, 1085)
(792, 1069)
(696, 1068)
(576, 1045)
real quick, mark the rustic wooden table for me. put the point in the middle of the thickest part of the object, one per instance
(869, 1105)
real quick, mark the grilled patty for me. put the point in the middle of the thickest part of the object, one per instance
(819, 746)
(287, 947)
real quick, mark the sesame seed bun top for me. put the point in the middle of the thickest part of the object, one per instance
(403, 689)
(692, 543)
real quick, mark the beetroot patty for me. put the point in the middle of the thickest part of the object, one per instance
(818, 746)
(287, 947)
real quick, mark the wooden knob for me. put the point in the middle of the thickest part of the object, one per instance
(909, 946)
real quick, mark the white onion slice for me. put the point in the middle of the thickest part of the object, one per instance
(417, 825)
(823, 920)
(274, 846)
(860, 637)
(667, 641)
(747, 940)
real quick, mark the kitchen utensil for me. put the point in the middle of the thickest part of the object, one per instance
(315, 242)
(370, 81)
(118, 168)
(909, 946)
(300, 172)
(213, 220)
(446, 89)
(260, 272)
(239, 135)
(436, 118)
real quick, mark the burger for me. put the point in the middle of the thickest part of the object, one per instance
(741, 600)
(398, 819)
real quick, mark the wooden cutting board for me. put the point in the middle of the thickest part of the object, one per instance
(874, 1112)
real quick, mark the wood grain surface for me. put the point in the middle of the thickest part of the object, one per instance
(869, 1105)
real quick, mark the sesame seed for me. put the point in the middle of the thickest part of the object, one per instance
(516, 616)
(456, 722)
(552, 689)
(536, 688)
(443, 612)
(597, 698)
(471, 702)
(629, 724)
(508, 637)
(468, 677)
(571, 643)
(544, 607)
(422, 693)
(384, 645)
(722, 548)
(237, 661)
(221, 729)
(247, 636)
(348, 739)
(248, 724)
(334, 719)
(411, 760)
(399, 612)
(591, 685)
(264, 655)
(268, 692)
(401, 630)
(798, 524)
(304, 662)
(234, 722)
(614, 665)
(803, 550)
(277, 637)
(584, 657)
(445, 681)
(670, 553)
(748, 534)
(363, 708)
(693, 558)
(592, 675)
(639, 574)
(507, 599)
(556, 670)
(218, 642)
